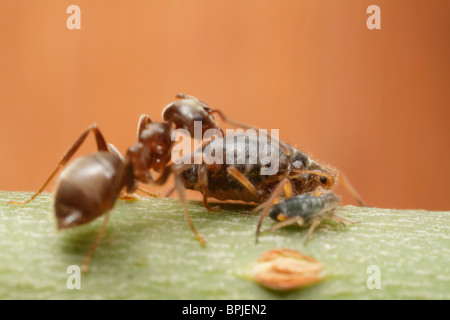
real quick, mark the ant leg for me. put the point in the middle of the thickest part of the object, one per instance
(169, 193)
(287, 193)
(203, 182)
(179, 186)
(85, 265)
(270, 202)
(101, 146)
(186, 212)
(176, 169)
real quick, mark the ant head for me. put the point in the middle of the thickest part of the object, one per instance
(157, 143)
(184, 112)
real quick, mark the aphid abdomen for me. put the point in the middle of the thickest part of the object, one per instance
(240, 151)
(84, 189)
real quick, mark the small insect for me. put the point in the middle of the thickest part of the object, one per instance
(297, 175)
(306, 210)
(89, 186)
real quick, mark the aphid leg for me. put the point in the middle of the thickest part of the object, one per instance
(203, 182)
(243, 180)
(101, 146)
(313, 226)
(329, 208)
(334, 217)
(85, 265)
(319, 216)
(270, 203)
(299, 220)
(144, 121)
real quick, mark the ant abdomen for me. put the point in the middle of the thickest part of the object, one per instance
(85, 189)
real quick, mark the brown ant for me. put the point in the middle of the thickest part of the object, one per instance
(90, 185)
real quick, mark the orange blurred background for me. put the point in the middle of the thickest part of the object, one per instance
(373, 103)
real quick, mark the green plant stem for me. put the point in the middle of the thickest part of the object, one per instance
(149, 252)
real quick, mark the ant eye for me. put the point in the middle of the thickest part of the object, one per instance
(323, 180)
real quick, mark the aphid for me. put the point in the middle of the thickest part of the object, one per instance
(306, 210)
(90, 185)
(297, 174)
